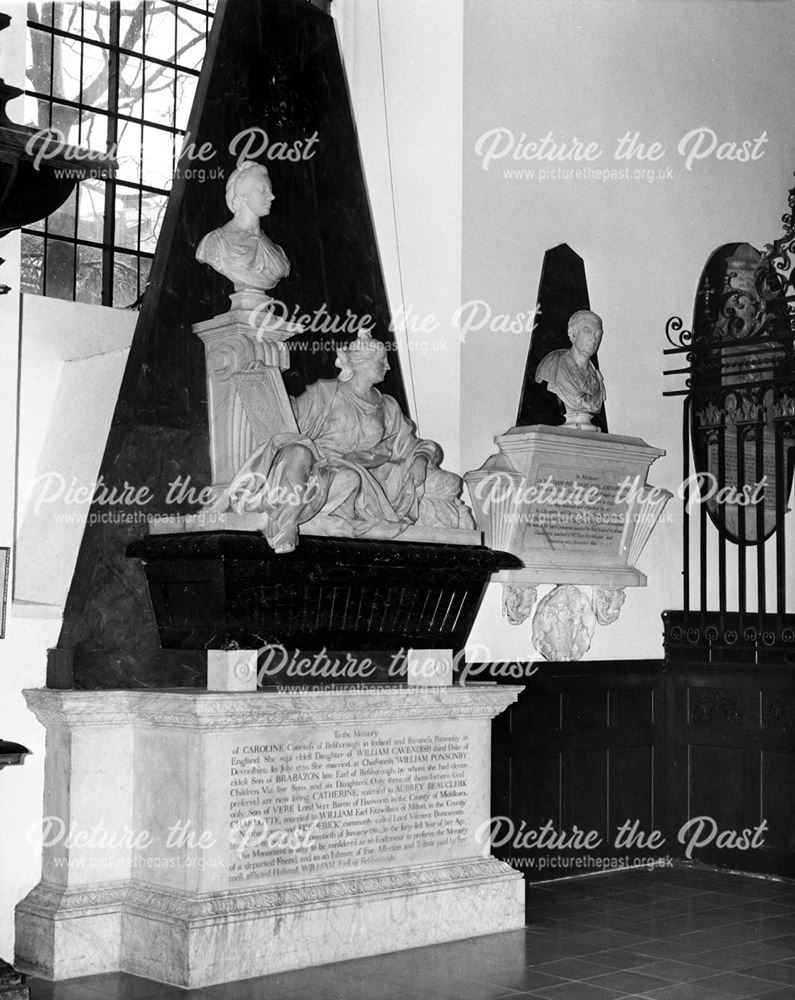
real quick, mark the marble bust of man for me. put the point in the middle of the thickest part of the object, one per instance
(240, 250)
(571, 374)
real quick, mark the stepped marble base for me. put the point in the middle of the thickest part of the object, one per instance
(215, 836)
(199, 942)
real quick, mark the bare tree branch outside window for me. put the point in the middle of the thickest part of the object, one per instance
(117, 77)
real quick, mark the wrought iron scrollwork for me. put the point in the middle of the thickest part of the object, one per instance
(675, 333)
(776, 274)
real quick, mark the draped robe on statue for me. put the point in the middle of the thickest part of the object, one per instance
(359, 483)
(580, 389)
(250, 260)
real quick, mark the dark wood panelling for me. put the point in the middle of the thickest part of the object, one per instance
(729, 803)
(585, 710)
(596, 745)
(630, 800)
(584, 750)
(778, 799)
(732, 762)
(584, 790)
(632, 707)
(535, 782)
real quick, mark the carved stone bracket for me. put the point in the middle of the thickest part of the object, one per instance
(607, 603)
(518, 601)
(563, 624)
(565, 618)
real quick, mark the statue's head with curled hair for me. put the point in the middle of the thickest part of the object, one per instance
(240, 179)
(586, 322)
(363, 349)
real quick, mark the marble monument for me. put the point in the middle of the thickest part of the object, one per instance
(575, 507)
(201, 836)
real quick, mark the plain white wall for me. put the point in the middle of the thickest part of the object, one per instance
(404, 64)
(593, 71)
(72, 359)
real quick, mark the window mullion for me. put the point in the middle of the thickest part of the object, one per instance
(109, 227)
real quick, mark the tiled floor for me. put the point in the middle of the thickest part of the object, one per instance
(662, 935)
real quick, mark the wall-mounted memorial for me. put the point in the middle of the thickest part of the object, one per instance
(572, 502)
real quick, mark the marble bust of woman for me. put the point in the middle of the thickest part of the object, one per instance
(571, 374)
(240, 250)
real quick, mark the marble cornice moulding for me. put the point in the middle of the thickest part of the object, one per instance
(611, 446)
(134, 896)
(205, 710)
(58, 707)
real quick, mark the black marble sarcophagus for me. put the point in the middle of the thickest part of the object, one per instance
(212, 590)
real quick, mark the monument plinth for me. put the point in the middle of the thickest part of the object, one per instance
(568, 504)
(213, 837)
(577, 511)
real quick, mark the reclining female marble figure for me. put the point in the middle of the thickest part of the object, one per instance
(355, 468)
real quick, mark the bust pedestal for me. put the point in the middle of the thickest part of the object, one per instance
(576, 509)
(210, 837)
(245, 353)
